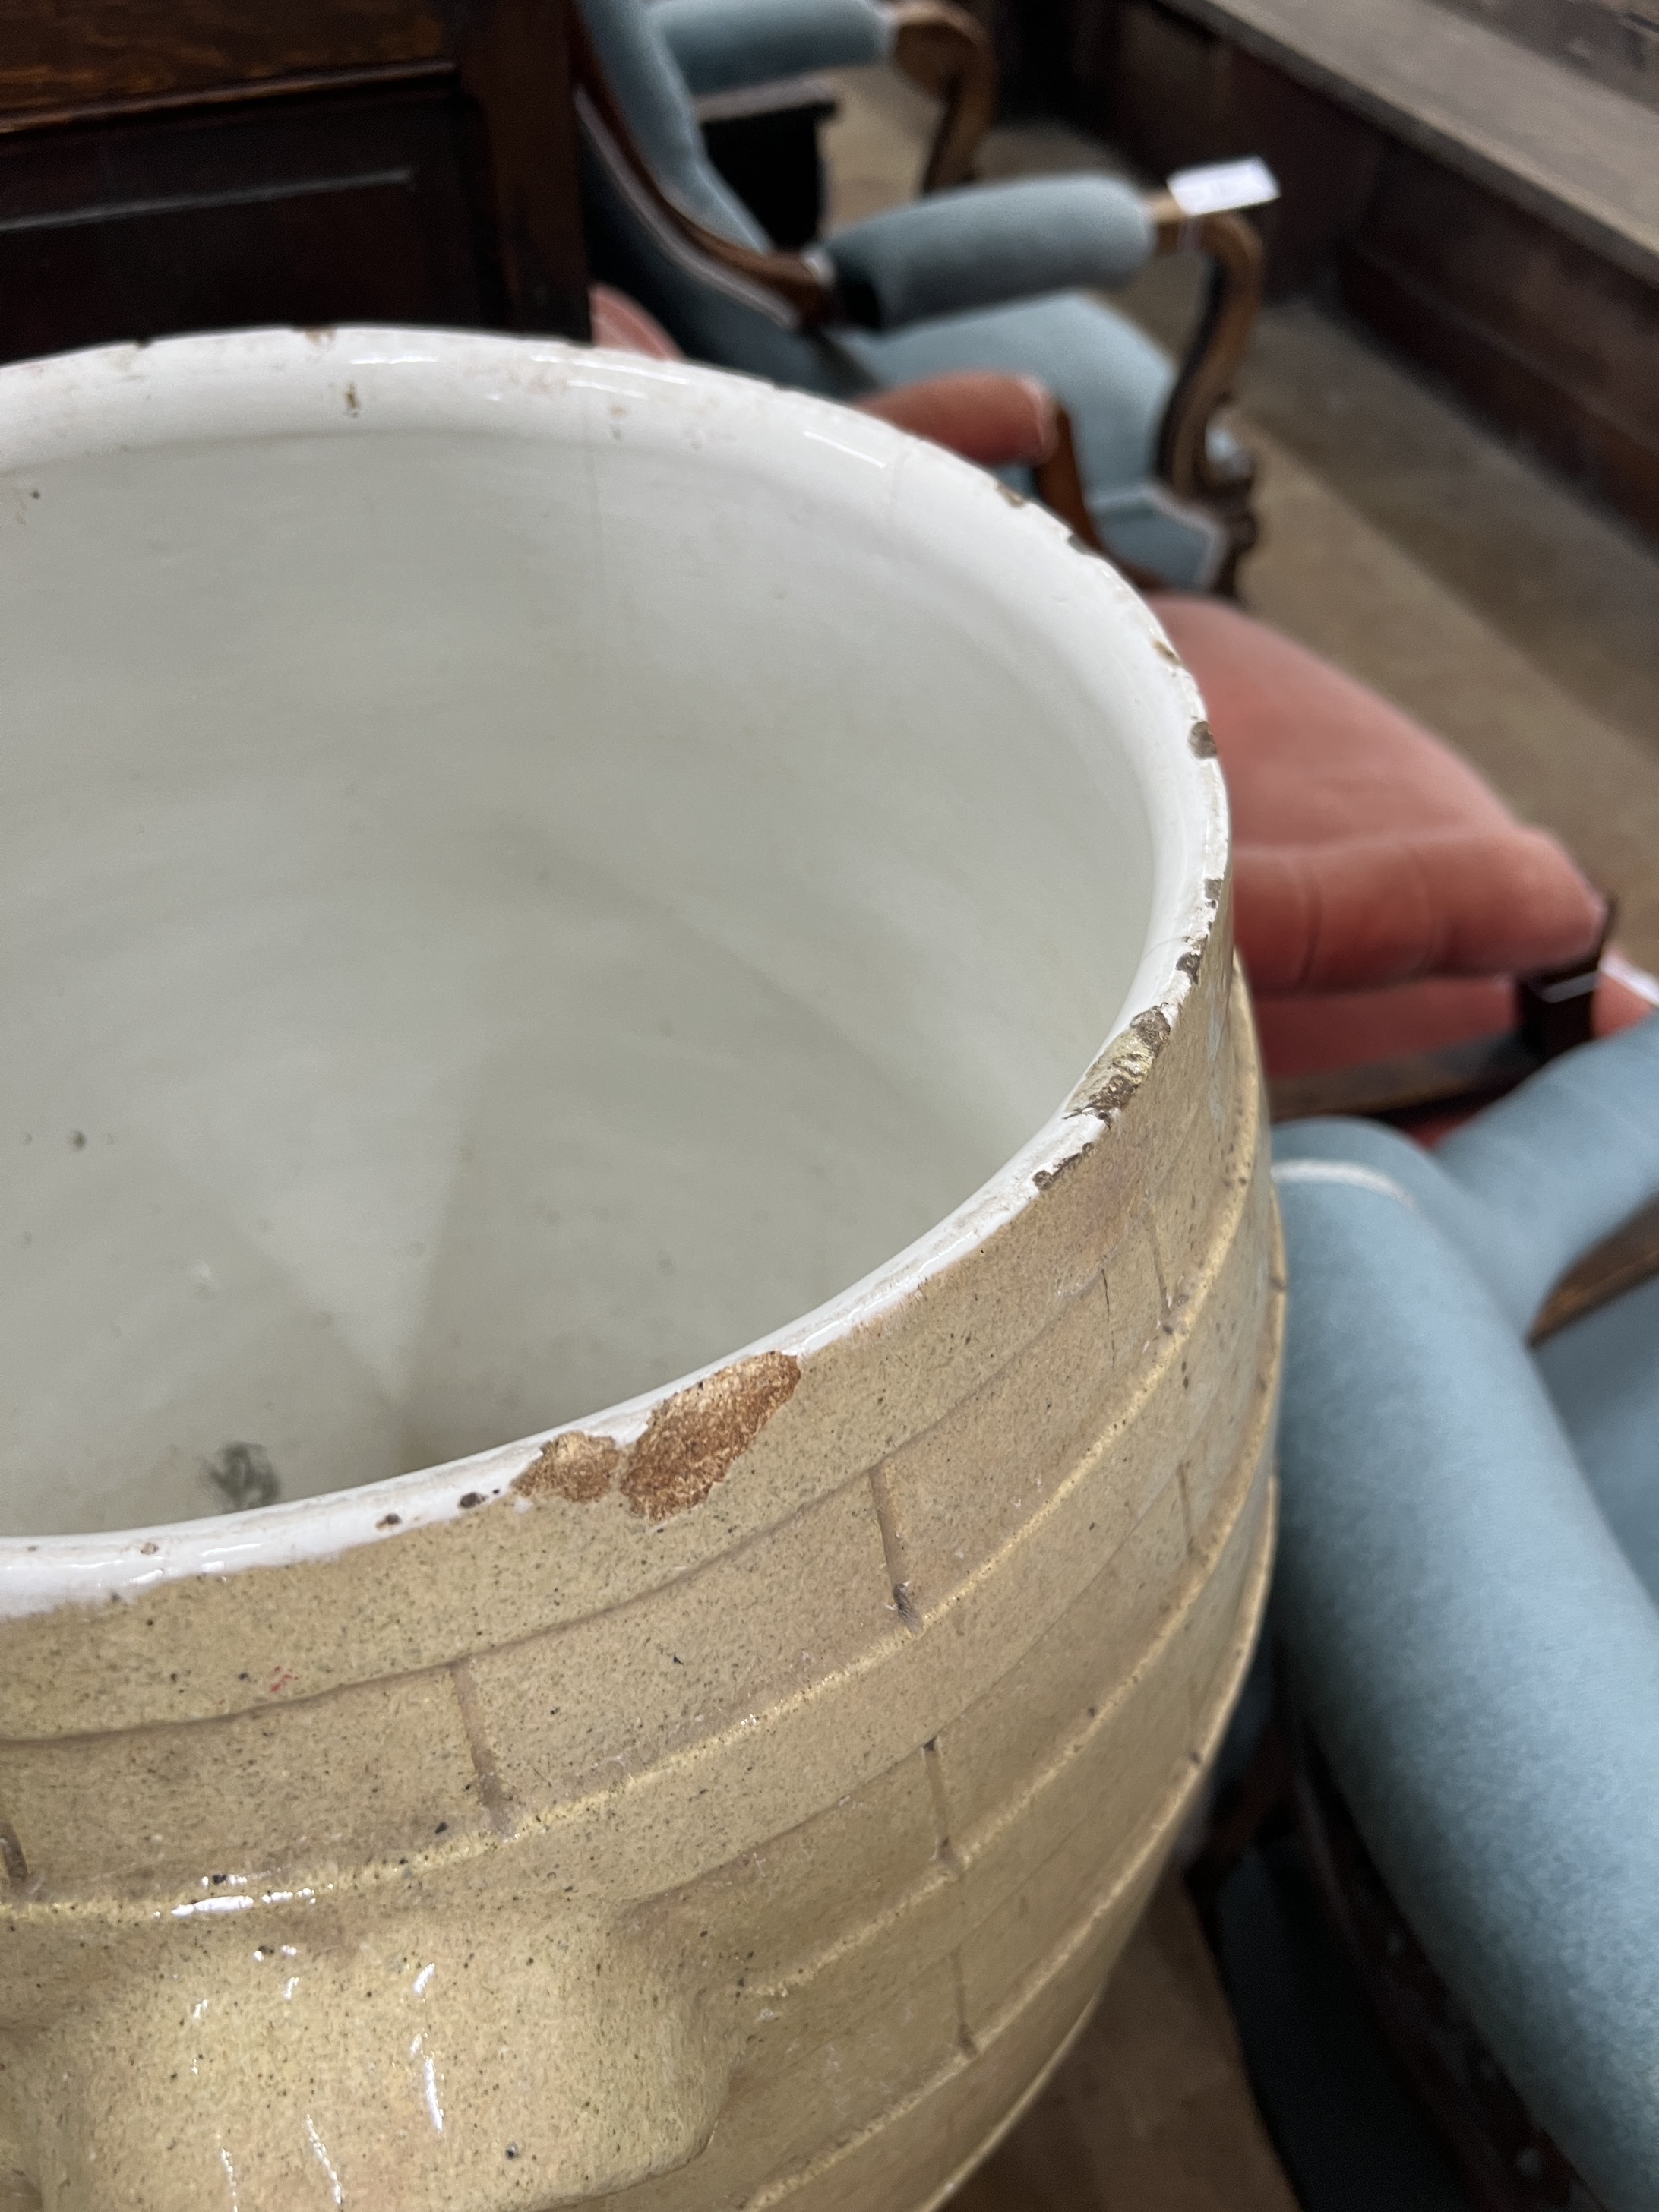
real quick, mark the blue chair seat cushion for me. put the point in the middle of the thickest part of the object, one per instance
(1113, 381)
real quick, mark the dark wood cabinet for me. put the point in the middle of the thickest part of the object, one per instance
(178, 164)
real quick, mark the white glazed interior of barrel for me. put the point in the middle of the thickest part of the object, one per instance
(490, 925)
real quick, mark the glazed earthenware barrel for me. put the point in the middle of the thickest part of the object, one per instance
(640, 1298)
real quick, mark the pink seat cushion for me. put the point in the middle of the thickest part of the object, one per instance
(1365, 853)
(1000, 422)
(624, 325)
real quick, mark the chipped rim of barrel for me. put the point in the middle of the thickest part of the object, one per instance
(187, 389)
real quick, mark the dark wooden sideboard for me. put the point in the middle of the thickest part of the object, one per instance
(183, 165)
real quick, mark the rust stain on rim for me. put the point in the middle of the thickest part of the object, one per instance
(574, 1466)
(691, 1441)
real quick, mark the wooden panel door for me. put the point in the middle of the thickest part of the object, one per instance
(167, 166)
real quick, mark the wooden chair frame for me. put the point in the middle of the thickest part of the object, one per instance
(940, 48)
(946, 54)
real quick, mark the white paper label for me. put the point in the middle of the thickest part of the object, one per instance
(1219, 186)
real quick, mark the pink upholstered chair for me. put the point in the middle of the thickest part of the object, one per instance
(1411, 947)
(1390, 910)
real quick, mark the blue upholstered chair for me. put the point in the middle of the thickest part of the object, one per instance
(1468, 1577)
(995, 276)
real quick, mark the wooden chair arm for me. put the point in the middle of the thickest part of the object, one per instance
(942, 50)
(786, 286)
(1205, 378)
(1618, 1264)
(1059, 480)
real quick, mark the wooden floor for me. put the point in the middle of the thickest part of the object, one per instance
(1152, 2111)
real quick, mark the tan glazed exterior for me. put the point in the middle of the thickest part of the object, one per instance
(743, 1812)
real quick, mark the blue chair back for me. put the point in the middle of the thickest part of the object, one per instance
(711, 315)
